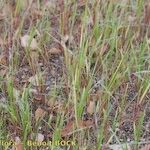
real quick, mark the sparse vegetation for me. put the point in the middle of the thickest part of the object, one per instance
(74, 70)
